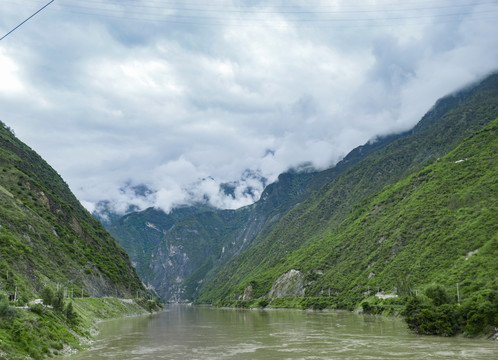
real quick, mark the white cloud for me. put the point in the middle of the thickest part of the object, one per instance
(183, 101)
(10, 83)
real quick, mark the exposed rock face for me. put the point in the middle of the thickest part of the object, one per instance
(205, 238)
(247, 293)
(170, 265)
(290, 284)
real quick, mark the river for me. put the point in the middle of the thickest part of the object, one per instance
(188, 332)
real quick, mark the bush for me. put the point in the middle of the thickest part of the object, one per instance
(6, 310)
(447, 320)
(242, 304)
(367, 308)
(263, 302)
(432, 320)
(438, 295)
(18, 330)
(56, 345)
(37, 309)
(481, 313)
(375, 309)
(442, 321)
(476, 324)
(316, 303)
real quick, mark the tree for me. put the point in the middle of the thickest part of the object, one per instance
(58, 301)
(47, 295)
(6, 311)
(71, 315)
(438, 295)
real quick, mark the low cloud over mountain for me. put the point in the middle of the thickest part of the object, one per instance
(182, 99)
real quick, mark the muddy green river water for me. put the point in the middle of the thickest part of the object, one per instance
(188, 332)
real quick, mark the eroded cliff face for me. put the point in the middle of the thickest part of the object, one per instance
(289, 284)
(170, 266)
(193, 248)
(199, 245)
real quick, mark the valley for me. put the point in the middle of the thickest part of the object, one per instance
(393, 217)
(404, 225)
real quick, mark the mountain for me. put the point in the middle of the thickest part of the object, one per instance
(176, 253)
(433, 233)
(141, 232)
(48, 238)
(437, 225)
(210, 254)
(173, 253)
(451, 120)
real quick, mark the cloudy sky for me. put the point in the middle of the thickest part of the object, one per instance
(182, 96)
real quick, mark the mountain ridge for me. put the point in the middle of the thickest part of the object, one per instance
(329, 205)
(431, 239)
(280, 202)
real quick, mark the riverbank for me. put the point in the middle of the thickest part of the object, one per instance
(40, 332)
(432, 312)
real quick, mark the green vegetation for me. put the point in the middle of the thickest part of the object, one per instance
(90, 310)
(337, 240)
(439, 314)
(49, 241)
(436, 226)
(36, 334)
(40, 331)
(47, 237)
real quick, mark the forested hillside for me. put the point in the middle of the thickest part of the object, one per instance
(436, 226)
(52, 249)
(48, 238)
(442, 129)
(434, 233)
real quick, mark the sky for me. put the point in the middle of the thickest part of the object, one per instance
(183, 96)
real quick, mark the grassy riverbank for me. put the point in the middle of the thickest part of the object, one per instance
(431, 311)
(39, 332)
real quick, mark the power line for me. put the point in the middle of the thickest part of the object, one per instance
(113, 7)
(417, 11)
(344, 23)
(127, 5)
(207, 20)
(267, 4)
(18, 26)
(213, 16)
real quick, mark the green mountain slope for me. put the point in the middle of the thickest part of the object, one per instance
(436, 226)
(451, 120)
(177, 253)
(48, 238)
(432, 234)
